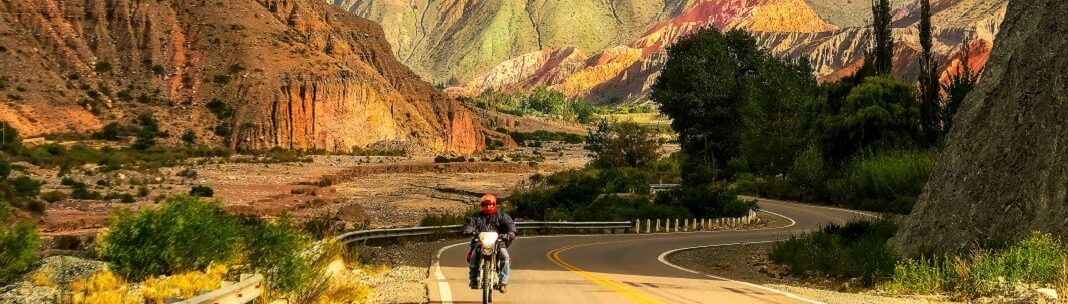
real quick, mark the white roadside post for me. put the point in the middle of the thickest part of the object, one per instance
(648, 226)
(637, 226)
(676, 225)
(687, 223)
(657, 225)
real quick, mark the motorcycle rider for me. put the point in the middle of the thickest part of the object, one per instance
(489, 219)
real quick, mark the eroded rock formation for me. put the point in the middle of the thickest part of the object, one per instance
(299, 74)
(1004, 171)
(830, 33)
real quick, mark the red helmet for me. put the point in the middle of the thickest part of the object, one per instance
(488, 204)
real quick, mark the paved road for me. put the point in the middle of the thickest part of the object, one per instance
(625, 268)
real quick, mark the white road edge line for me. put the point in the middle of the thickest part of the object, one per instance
(444, 291)
(663, 259)
(811, 205)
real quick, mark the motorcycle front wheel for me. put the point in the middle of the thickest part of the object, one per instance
(487, 281)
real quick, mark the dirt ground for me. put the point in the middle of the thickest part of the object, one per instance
(367, 191)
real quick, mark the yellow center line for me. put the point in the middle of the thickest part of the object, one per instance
(630, 293)
(621, 289)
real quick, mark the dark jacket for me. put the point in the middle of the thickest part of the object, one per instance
(499, 222)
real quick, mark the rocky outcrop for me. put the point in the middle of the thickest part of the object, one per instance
(299, 74)
(1004, 170)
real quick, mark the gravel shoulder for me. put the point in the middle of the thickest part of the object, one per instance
(408, 265)
(749, 263)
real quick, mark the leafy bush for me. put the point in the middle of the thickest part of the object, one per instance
(18, 245)
(5, 169)
(184, 234)
(24, 186)
(189, 137)
(542, 135)
(202, 191)
(53, 196)
(888, 181)
(36, 206)
(102, 67)
(146, 137)
(111, 131)
(857, 250)
(618, 194)
(276, 250)
(10, 142)
(705, 201)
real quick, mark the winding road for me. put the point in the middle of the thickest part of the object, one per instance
(626, 268)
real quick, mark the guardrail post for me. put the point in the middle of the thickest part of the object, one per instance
(637, 226)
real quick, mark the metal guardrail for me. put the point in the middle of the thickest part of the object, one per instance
(363, 235)
(241, 292)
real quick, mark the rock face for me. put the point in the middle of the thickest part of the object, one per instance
(300, 74)
(623, 67)
(1004, 171)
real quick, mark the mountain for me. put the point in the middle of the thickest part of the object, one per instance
(1003, 172)
(447, 39)
(292, 74)
(831, 33)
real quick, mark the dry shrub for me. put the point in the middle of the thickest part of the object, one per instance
(185, 285)
(42, 278)
(103, 287)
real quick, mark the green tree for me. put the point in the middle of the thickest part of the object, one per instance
(623, 144)
(930, 89)
(546, 101)
(701, 88)
(960, 84)
(773, 131)
(881, 55)
(879, 113)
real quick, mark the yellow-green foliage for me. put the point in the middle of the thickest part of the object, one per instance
(185, 285)
(108, 287)
(1038, 259)
(103, 287)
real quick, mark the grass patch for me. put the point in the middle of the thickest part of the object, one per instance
(888, 181)
(858, 249)
(1038, 259)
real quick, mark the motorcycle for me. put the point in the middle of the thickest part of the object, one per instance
(489, 248)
